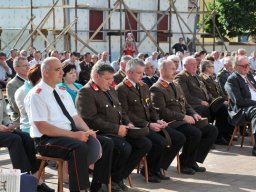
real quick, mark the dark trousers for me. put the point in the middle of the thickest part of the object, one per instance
(178, 140)
(127, 154)
(21, 149)
(102, 168)
(71, 150)
(193, 137)
(158, 151)
(221, 117)
(209, 134)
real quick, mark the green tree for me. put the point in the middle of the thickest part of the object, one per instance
(233, 17)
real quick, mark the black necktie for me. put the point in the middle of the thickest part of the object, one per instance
(64, 110)
(109, 97)
(173, 88)
(137, 87)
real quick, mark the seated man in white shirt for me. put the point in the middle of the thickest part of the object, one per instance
(57, 129)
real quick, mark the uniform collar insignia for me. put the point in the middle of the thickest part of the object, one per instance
(141, 83)
(38, 90)
(95, 87)
(128, 83)
(113, 84)
(164, 84)
(62, 88)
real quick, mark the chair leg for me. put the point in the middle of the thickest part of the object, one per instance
(130, 180)
(60, 175)
(178, 163)
(110, 185)
(232, 137)
(251, 134)
(146, 168)
(41, 169)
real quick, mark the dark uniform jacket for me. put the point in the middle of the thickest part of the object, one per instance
(84, 75)
(212, 87)
(222, 79)
(136, 103)
(99, 111)
(170, 106)
(149, 80)
(193, 88)
(240, 98)
(119, 76)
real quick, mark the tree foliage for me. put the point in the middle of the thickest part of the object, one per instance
(233, 17)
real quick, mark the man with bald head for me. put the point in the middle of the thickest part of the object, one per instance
(241, 90)
(57, 129)
(170, 102)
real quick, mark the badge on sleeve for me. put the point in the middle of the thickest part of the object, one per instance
(38, 91)
(164, 84)
(94, 87)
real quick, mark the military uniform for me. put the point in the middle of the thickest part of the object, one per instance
(119, 76)
(195, 92)
(102, 111)
(169, 101)
(137, 107)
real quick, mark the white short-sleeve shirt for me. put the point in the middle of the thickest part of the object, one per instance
(41, 105)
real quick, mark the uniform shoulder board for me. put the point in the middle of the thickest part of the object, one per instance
(62, 88)
(164, 84)
(128, 83)
(94, 87)
(38, 90)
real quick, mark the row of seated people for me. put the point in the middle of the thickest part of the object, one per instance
(98, 105)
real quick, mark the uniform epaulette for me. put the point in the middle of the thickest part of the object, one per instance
(164, 84)
(38, 91)
(94, 87)
(62, 88)
(128, 83)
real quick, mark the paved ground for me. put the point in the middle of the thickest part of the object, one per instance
(233, 171)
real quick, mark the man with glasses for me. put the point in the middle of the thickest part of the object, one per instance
(4, 70)
(21, 66)
(220, 114)
(242, 93)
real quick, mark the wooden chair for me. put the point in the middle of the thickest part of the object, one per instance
(59, 162)
(237, 130)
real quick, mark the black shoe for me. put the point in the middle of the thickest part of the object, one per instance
(95, 187)
(151, 177)
(123, 186)
(254, 151)
(161, 176)
(197, 168)
(187, 170)
(116, 187)
(221, 141)
(44, 188)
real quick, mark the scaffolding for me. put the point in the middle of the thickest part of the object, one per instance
(70, 28)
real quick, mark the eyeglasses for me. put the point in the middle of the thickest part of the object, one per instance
(212, 66)
(26, 66)
(244, 66)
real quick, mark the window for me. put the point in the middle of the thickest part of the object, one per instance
(131, 24)
(95, 20)
(162, 25)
